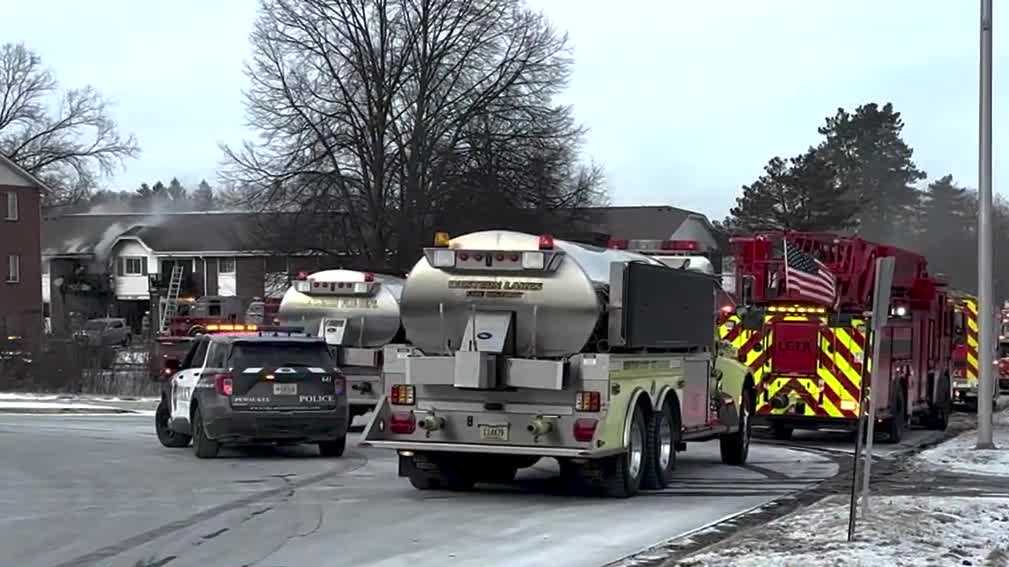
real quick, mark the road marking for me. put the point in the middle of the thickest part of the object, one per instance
(96, 557)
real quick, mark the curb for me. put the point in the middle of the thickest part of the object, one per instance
(670, 552)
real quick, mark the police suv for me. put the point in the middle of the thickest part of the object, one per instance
(253, 387)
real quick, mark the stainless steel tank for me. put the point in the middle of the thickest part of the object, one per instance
(556, 311)
(369, 309)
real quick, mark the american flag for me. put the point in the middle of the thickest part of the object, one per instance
(808, 278)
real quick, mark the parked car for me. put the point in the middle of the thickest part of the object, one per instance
(105, 332)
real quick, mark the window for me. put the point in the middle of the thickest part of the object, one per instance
(133, 266)
(13, 268)
(12, 206)
(225, 265)
(217, 356)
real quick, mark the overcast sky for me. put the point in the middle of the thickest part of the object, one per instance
(685, 100)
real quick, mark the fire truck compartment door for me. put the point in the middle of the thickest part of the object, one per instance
(333, 330)
(794, 347)
(694, 407)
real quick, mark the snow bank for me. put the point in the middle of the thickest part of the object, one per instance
(959, 455)
(901, 530)
(23, 404)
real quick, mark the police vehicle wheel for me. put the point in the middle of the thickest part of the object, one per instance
(166, 436)
(735, 447)
(622, 474)
(333, 448)
(663, 434)
(203, 446)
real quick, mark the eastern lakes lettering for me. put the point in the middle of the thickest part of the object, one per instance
(495, 285)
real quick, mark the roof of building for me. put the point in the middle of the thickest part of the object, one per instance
(637, 222)
(72, 235)
(95, 234)
(17, 169)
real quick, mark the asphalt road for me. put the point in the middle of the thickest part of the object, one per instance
(100, 490)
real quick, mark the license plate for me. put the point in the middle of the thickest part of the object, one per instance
(285, 389)
(493, 432)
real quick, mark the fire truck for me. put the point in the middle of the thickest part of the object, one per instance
(1002, 357)
(358, 314)
(526, 346)
(965, 350)
(809, 358)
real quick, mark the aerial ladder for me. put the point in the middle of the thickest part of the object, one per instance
(171, 300)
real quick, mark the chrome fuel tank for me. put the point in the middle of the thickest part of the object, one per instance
(365, 306)
(556, 307)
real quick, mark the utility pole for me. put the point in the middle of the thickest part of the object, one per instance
(986, 305)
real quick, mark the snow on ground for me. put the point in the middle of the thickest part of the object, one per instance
(959, 455)
(23, 404)
(40, 397)
(900, 531)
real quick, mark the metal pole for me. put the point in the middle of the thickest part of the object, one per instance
(860, 432)
(870, 432)
(986, 305)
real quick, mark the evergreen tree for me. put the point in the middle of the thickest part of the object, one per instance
(203, 197)
(873, 160)
(802, 194)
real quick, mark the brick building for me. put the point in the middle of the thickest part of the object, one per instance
(21, 306)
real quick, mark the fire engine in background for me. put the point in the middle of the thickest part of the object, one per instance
(802, 333)
(527, 347)
(358, 315)
(689, 254)
(195, 314)
(965, 353)
(1002, 357)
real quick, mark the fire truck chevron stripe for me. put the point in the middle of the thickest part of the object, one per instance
(972, 340)
(835, 389)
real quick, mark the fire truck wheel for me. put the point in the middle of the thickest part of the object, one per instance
(896, 425)
(736, 446)
(203, 446)
(167, 437)
(663, 434)
(622, 474)
(781, 432)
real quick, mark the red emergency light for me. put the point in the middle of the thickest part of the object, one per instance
(369, 277)
(546, 242)
(687, 245)
(618, 244)
(302, 276)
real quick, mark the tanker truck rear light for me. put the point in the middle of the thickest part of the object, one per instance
(441, 240)
(402, 395)
(546, 242)
(444, 258)
(687, 245)
(584, 429)
(402, 422)
(532, 260)
(587, 401)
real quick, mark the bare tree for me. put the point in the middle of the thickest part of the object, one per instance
(373, 109)
(69, 148)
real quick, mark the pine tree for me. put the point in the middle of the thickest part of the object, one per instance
(801, 194)
(203, 197)
(873, 160)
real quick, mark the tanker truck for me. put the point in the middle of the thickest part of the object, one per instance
(358, 314)
(524, 347)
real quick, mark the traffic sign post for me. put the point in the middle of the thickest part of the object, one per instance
(880, 314)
